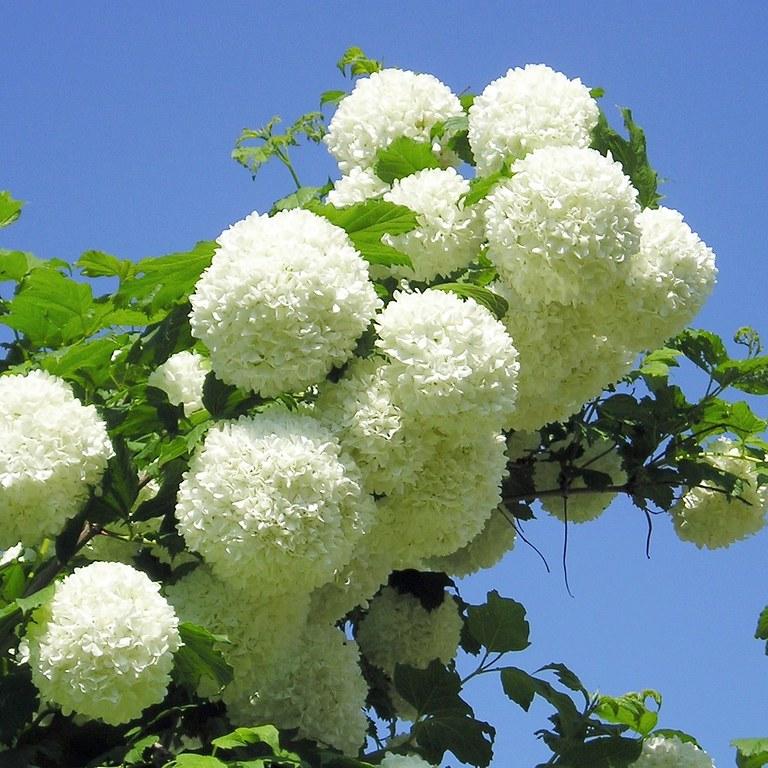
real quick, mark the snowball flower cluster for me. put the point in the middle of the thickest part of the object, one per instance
(448, 356)
(404, 761)
(598, 456)
(283, 301)
(358, 185)
(670, 278)
(383, 107)
(448, 236)
(103, 647)
(527, 109)
(563, 226)
(272, 500)
(708, 517)
(669, 752)
(398, 630)
(53, 449)
(182, 377)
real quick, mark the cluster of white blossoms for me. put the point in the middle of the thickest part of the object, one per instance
(103, 646)
(670, 752)
(53, 450)
(598, 456)
(708, 517)
(182, 377)
(283, 301)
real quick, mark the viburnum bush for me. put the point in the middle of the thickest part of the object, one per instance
(238, 490)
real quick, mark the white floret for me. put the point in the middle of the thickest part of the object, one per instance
(103, 647)
(271, 499)
(448, 235)
(383, 107)
(357, 186)
(563, 228)
(182, 377)
(707, 517)
(669, 752)
(53, 450)
(449, 358)
(283, 301)
(527, 109)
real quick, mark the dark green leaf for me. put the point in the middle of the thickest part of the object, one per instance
(136, 753)
(703, 348)
(606, 752)
(13, 582)
(355, 63)
(100, 264)
(470, 740)
(10, 209)
(745, 375)
(597, 92)
(433, 691)
(482, 186)
(403, 157)
(499, 624)
(496, 304)
(225, 401)
(519, 686)
(198, 657)
(18, 701)
(197, 761)
(568, 678)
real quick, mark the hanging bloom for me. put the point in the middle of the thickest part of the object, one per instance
(383, 107)
(103, 647)
(563, 228)
(670, 278)
(272, 500)
(670, 752)
(53, 450)
(357, 186)
(708, 517)
(449, 359)
(284, 300)
(448, 236)
(181, 377)
(598, 456)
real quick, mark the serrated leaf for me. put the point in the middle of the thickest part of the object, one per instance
(745, 375)
(197, 761)
(86, 362)
(10, 209)
(702, 348)
(198, 657)
(494, 303)
(15, 264)
(566, 676)
(100, 264)
(403, 157)
(300, 198)
(434, 690)
(751, 753)
(331, 97)
(470, 740)
(354, 63)
(499, 625)
(242, 737)
(482, 186)
(631, 710)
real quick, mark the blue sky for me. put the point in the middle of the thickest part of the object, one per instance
(116, 123)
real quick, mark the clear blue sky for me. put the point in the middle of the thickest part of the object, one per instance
(116, 123)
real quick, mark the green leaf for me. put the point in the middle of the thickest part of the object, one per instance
(751, 753)
(18, 701)
(567, 677)
(300, 198)
(745, 375)
(13, 582)
(100, 264)
(242, 737)
(10, 209)
(36, 599)
(673, 733)
(403, 157)
(606, 752)
(658, 362)
(496, 304)
(226, 401)
(631, 710)
(331, 97)
(470, 740)
(136, 753)
(482, 186)
(499, 624)
(86, 362)
(597, 92)
(165, 281)
(519, 686)
(703, 348)
(197, 761)
(198, 657)
(15, 264)
(355, 63)
(433, 691)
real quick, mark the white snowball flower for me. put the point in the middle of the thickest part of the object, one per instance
(383, 107)
(528, 109)
(670, 278)
(404, 761)
(598, 456)
(357, 186)
(398, 630)
(360, 410)
(103, 647)
(322, 693)
(53, 450)
(666, 752)
(272, 500)
(283, 301)
(563, 228)
(487, 548)
(181, 377)
(449, 358)
(448, 235)
(707, 517)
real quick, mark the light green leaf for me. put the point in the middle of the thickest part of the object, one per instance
(482, 186)
(300, 198)
(242, 737)
(499, 624)
(403, 157)
(10, 209)
(631, 710)
(745, 375)
(355, 63)
(496, 304)
(197, 761)
(331, 97)
(100, 264)
(703, 348)
(15, 264)
(751, 753)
